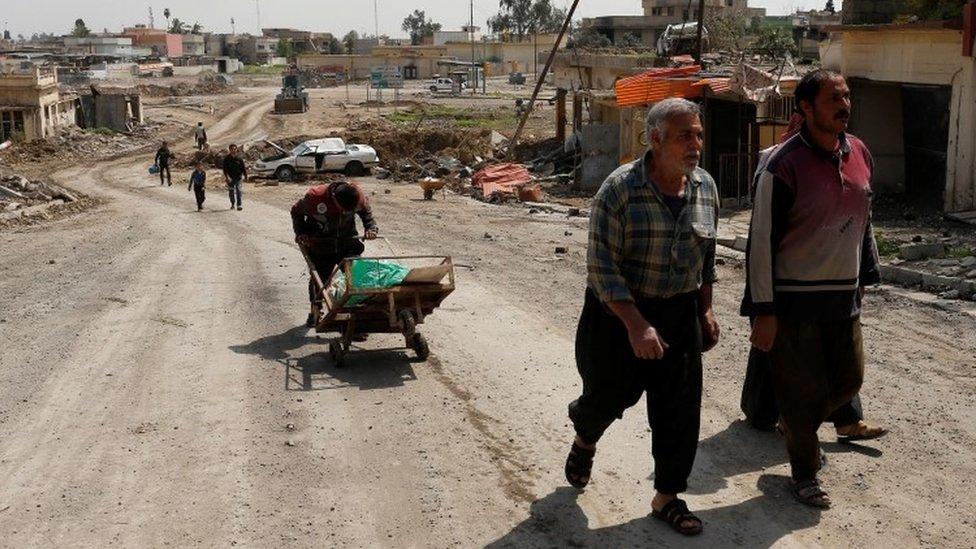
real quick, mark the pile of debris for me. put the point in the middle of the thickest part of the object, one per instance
(71, 143)
(20, 197)
(205, 85)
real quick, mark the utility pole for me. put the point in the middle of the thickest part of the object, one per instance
(474, 70)
(257, 7)
(152, 22)
(698, 40)
(233, 29)
(376, 19)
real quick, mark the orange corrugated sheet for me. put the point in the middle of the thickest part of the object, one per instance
(503, 178)
(657, 84)
(717, 85)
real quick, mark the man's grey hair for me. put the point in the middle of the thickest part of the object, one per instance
(659, 115)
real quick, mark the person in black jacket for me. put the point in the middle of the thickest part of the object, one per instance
(234, 173)
(163, 156)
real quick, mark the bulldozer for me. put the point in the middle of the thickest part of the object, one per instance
(293, 97)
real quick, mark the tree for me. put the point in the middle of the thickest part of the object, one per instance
(197, 28)
(21, 39)
(6, 35)
(349, 40)
(80, 29)
(934, 10)
(581, 37)
(522, 17)
(726, 30)
(829, 8)
(334, 46)
(166, 13)
(776, 44)
(178, 27)
(419, 26)
(285, 49)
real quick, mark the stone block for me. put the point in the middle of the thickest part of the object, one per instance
(914, 252)
(900, 275)
(933, 282)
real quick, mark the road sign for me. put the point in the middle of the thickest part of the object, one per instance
(386, 77)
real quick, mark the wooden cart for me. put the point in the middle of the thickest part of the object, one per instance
(395, 310)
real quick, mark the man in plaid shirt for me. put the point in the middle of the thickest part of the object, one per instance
(647, 315)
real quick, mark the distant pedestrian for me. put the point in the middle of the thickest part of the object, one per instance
(235, 173)
(811, 253)
(163, 157)
(647, 314)
(198, 183)
(201, 136)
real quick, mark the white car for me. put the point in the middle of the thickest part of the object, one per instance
(316, 156)
(441, 85)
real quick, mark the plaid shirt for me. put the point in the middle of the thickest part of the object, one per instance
(638, 248)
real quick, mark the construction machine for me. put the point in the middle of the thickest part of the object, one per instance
(293, 97)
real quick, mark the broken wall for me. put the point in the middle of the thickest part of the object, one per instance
(600, 145)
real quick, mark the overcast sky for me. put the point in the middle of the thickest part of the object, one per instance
(336, 16)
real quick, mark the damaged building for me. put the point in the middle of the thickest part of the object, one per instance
(744, 110)
(31, 105)
(913, 87)
(117, 109)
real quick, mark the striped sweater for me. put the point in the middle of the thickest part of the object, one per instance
(810, 241)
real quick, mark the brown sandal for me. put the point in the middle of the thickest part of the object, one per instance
(579, 465)
(863, 431)
(677, 515)
(809, 492)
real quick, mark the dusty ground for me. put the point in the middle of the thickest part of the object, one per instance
(157, 388)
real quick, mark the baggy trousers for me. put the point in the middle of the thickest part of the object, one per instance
(817, 366)
(758, 401)
(614, 379)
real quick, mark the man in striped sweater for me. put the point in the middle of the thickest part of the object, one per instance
(811, 253)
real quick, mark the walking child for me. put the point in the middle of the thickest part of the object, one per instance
(198, 182)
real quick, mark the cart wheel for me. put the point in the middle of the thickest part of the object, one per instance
(409, 324)
(420, 346)
(336, 353)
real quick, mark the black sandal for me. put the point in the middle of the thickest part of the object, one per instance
(676, 514)
(579, 465)
(809, 492)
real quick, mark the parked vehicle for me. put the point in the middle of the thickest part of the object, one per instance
(442, 85)
(316, 156)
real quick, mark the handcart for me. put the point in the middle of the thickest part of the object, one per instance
(353, 311)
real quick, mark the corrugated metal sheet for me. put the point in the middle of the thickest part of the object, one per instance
(657, 84)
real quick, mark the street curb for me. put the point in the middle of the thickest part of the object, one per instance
(910, 277)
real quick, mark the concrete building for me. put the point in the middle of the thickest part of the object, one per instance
(364, 46)
(257, 50)
(194, 45)
(914, 92)
(115, 109)
(658, 14)
(109, 46)
(442, 37)
(573, 70)
(301, 41)
(515, 55)
(31, 106)
(159, 42)
(414, 62)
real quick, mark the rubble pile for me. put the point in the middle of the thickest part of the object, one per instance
(71, 143)
(22, 197)
(206, 85)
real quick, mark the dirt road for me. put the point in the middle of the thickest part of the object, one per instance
(157, 387)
